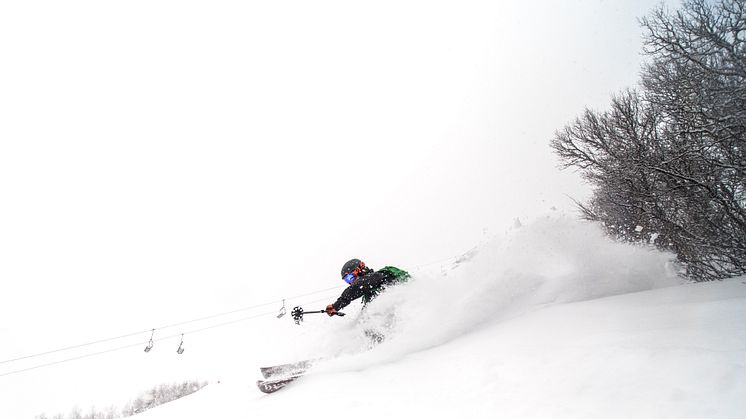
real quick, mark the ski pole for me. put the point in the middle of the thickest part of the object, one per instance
(298, 313)
(324, 311)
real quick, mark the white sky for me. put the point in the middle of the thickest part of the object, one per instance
(164, 160)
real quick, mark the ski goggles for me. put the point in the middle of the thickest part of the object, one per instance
(352, 276)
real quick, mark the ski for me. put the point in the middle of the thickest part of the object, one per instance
(291, 369)
(270, 386)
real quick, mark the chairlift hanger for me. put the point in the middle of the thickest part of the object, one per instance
(181, 348)
(150, 344)
(282, 310)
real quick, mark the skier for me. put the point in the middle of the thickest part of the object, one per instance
(364, 282)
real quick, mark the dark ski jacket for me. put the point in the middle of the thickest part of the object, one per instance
(366, 286)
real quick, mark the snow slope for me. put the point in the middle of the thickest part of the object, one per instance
(553, 320)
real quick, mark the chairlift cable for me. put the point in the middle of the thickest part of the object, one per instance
(194, 331)
(67, 348)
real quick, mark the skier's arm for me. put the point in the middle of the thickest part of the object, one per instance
(357, 290)
(353, 292)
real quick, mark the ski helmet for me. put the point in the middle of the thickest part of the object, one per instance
(352, 269)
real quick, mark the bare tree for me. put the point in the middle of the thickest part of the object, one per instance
(111, 413)
(75, 413)
(668, 163)
(156, 396)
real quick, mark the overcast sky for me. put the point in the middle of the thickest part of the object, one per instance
(165, 160)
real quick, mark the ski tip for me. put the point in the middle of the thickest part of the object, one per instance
(270, 386)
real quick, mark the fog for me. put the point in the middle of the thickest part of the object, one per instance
(162, 161)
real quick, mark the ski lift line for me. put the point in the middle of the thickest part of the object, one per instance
(75, 347)
(438, 262)
(215, 326)
(202, 329)
(49, 364)
(170, 326)
(178, 335)
(320, 300)
(243, 309)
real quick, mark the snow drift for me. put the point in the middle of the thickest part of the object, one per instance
(552, 320)
(552, 260)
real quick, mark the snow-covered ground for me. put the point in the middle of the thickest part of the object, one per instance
(552, 320)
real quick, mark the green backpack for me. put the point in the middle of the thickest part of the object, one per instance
(398, 275)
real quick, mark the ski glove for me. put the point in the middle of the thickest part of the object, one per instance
(330, 310)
